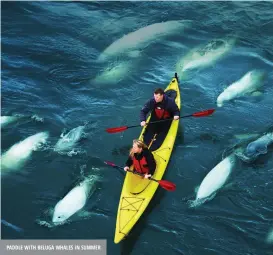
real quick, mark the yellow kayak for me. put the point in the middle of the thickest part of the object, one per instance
(137, 192)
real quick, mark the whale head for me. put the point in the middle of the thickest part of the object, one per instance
(225, 96)
(59, 218)
(61, 213)
(251, 150)
(257, 76)
(259, 146)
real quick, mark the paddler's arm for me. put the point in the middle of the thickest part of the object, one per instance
(128, 163)
(174, 109)
(144, 111)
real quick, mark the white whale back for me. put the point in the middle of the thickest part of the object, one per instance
(203, 56)
(6, 120)
(21, 151)
(250, 82)
(70, 139)
(73, 201)
(216, 178)
(142, 37)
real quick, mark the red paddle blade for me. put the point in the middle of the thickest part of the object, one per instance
(204, 113)
(167, 185)
(116, 129)
(109, 163)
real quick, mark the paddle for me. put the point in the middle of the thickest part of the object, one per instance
(196, 115)
(164, 184)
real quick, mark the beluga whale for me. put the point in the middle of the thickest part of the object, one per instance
(19, 153)
(6, 120)
(249, 83)
(214, 180)
(131, 44)
(253, 149)
(69, 140)
(74, 200)
(114, 72)
(205, 55)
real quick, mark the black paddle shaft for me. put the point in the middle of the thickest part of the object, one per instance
(135, 172)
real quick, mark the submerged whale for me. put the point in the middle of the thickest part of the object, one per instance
(12, 226)
(68, 141)
(259, 146)
(204, 56)
(249, 83)
(6, 120)
(132, 43)
(114, 73)
(254, 148)
(269, 238)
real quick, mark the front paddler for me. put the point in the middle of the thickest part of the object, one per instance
(162, 107)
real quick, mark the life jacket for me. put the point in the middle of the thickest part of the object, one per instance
(140, 165)
(161, 113)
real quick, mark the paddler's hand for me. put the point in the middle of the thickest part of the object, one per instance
(142, 123)
(147, 176)
(126, 168)
(175, 117)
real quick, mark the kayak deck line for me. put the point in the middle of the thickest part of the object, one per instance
(133, 208)
(131, 204)
(162, 149)
(137, 193)
(155, 152)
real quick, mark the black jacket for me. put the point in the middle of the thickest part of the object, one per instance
(149, 158)
(168, 104)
